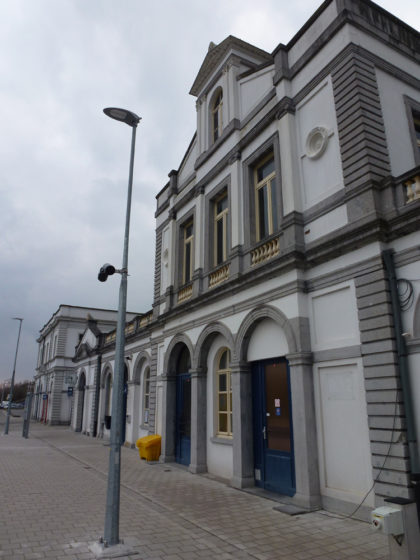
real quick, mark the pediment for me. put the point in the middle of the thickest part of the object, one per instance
(217, 54)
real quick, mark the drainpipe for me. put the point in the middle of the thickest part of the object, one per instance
(388, 260)
(97, 390)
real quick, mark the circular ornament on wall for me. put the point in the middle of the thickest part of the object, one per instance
(316, 142)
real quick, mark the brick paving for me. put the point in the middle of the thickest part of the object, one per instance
(53, 504)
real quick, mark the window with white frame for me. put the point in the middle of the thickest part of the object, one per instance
(216, 116)
(146, 396)
(265, 197)
(220, 228)
(223, 394)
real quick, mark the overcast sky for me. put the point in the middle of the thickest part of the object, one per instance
(64, 165)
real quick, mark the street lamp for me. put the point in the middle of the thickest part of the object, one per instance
(112, 513)
(12, 383)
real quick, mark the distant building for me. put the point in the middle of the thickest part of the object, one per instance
(55, 376)
(274, 353)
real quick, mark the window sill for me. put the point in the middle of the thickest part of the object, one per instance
(228, 440)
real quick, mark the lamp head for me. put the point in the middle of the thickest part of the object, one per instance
(123, 115)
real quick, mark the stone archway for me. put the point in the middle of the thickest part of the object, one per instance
(295, 348)
(199, 395)
(135, 393)
(180, 345)
(251, 321)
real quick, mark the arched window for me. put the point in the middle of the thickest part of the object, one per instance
(216, 116)
(146, 396)
(224, 394)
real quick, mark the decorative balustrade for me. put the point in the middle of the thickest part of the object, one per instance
(185, 293)
(412, 187)
(110, 337)
(146, 319)
(265, 252)
(129, 329)
(219, 276)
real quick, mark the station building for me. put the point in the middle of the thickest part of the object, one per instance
(282, 348)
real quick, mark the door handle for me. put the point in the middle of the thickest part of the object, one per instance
(264, 433)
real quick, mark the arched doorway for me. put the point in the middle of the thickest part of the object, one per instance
(183, 409)
(264, 340)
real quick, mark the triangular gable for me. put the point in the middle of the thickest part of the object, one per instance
(251, 55)
(88, 342)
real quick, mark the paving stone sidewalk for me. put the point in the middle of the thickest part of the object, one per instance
(53, 504)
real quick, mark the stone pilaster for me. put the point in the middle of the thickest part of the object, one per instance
(243, 453)
(304, 430)
(198, 462)
(168, 426)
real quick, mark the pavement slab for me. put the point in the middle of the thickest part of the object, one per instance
(55, 509)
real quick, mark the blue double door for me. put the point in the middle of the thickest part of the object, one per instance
(274, 468)
(183, 419)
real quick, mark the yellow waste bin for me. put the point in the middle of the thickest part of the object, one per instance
(149, 447)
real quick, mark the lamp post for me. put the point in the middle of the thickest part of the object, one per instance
(112, 513)
(12, 383)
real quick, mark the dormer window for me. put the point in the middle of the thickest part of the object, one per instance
(216, 115)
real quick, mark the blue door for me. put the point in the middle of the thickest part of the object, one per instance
(273, 433)
(183, 419)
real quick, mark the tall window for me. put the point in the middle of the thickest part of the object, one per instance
(220, 228)
(265, 198)
(146, 396)
(224, 394)
(216, 116)
(188, 234)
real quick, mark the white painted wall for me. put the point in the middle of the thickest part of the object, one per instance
(343, 436)
(312, 33)
(252, 90)
(267, 341)
(322, 176)
(333, 317)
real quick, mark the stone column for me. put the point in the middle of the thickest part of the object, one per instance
(198, 462)
(168, 425)
(304, 430)
(243, 452)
